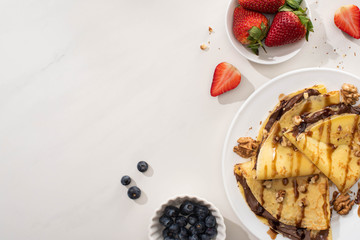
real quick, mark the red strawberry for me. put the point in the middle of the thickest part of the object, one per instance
(226, 77)
(265, 6)
(347, 18)
(288, 26)
(250, 28)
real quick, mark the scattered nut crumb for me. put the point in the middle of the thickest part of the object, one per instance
(302, 188)
(349, 94)
(210, 30)
(204, 47)
(247, 147)
(314, 178)
(285, 142)
(306, 95)
(280, 195)
(297, 120)
(339, 128)
(267, 184)
(303, 202)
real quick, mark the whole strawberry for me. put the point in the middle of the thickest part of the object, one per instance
(265, 6)
(288, 26)
(250, 28)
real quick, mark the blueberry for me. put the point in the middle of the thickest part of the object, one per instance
(202, 212)
(211, 231)
(184, 232)
(192, 219)
(165, 232)
(187, 207)
(142, 166)
(134, 192)
(171, 211)
(181, 221)
(166, 221)
(192, 230)
(125, 180)
(169, 238)
(174, 228)
(194, 237)
(200, 227)
(183, 237)
(210, 221)
(205, 237)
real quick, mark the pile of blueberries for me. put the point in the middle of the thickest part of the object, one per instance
(191, 221)
(134, 192)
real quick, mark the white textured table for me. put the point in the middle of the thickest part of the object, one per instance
(89, 88)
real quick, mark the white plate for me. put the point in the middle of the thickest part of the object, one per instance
(274, 54)
(255, 109)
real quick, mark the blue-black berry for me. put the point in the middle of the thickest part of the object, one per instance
(166, 221)
(202, 212)
(125, 180)
(171, 211)
(205, 237)
(142, 166)
(200, 227)
(187, 207)
(181, 221)
(211, 231)
(192, 219)
(210, 221)
(194, 237)
(192, 230)
(174, 228)
(134, 192)
(183, 232)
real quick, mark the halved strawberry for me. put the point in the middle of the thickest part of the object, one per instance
(226, 77)
(347, 18)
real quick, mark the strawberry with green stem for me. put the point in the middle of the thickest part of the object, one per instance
(264, 6)
(250, 28)
(290, 25)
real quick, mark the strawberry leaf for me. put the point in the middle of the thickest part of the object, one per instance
(285, 8)
(255, 33)
(293, 4)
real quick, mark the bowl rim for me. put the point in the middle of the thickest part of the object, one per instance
(262, 61)
(221, 227)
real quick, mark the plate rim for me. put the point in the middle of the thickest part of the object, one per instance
(231, 126)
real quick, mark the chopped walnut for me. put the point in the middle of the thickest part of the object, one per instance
(343, 204)
(265, 133)
(349, 94)
(246, 147)
(285, 142)
(302, 188)
(211, 30)
(306, 95)
(204, 47)
(280, 195)
(339, 128)
(314, 178)
(267, 184)
(297, 120)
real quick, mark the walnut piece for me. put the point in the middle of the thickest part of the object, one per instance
(314, 178)
(246, 147)
(343, 204)
(297, 120)
(285, 142)
(267, 184)
(280, 195)
(211, 30)
(306, 95)
(302, 188)
(349, 94)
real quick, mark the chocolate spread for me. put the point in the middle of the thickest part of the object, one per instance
(291, 232)
(310, 118)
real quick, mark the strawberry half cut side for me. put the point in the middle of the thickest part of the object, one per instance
(347, 18)
(226, 77)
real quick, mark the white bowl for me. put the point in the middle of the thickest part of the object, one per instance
(274, 55)
(155, 229)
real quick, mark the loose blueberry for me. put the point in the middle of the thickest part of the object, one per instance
(142, 166)
(211, 231)
(134, 192)
(183, 237)
(205, 237)
(171, 211)
(174, 228)
(125, 180)
(192, 219)
(165, 232)
(200, 227)
(194, 237)
(192, 230)
(210, 221)
(187, 207)
(202, 212)
(181, 221)
(166, 221)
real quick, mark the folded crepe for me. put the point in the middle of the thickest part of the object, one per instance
(297, 208)
(277, 157)
(330, 138)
